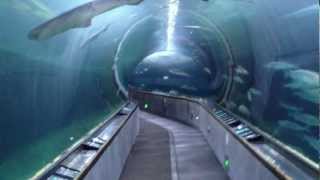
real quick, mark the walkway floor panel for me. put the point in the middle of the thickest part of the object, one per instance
(166, 149)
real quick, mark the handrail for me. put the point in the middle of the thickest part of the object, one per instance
(297, 155)
(50, 167)
(104, 147)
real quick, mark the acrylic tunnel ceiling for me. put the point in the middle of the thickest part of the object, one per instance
(66, 65)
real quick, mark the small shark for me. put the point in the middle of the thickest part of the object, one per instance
(197, 28)
(179, 73)
(78, 17)
(95, 36)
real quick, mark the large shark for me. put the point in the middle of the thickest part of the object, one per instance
(75, 18)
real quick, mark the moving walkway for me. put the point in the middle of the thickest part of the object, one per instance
(161, 137)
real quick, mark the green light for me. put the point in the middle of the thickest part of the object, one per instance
(226, 164)
(146, 106)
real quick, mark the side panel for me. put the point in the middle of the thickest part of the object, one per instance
(111, 163)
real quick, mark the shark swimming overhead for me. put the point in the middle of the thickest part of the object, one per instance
(78, 17)
(95, 36)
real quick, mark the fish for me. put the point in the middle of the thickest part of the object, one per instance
(179, 73)
(253, 92)
(280, 66)
(30, 7)
(207, 70)
(231, 105)
(311, 95)
(224, 76)
(291, 125)
(249, 96)
(307, 119)
(95, 36)
(165, 77)
(305, 84)
(314, 142)
(238, 79)
(173, 92)
(192, 27)
(195, 27)
(304, 11)
(79, 17)
(187, 87)
(41, 7)
(290, 107)
(303, 79)
(244, 110)
(241, 70)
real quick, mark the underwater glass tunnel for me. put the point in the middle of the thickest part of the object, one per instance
(65, 66)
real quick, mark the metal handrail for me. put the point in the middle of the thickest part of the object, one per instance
(51, 167)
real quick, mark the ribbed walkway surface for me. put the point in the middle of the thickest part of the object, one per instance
(166, 150)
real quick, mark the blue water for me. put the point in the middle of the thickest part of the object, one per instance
(259, 59)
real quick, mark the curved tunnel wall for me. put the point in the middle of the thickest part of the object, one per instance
(196, 37)
(267, 54)
(255, 57)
